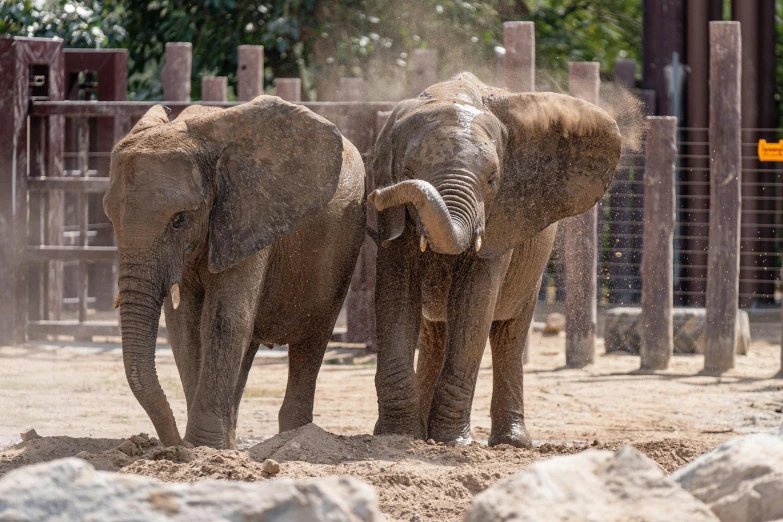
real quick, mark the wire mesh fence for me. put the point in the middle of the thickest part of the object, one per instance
(621, 222)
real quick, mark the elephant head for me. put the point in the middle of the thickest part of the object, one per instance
(487, 169)
(217, 183)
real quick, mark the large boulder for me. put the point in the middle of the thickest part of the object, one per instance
(741, 480)
(72, 490)
(593, 485)
(622, 331)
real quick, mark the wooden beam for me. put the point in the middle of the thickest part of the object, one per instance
(135, 109)
(725, 195)
(94, 254)
(581, 247)
(657, 336)
(68, 184)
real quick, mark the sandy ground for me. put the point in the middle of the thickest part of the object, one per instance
(672, 416)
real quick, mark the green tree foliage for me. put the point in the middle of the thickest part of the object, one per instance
(320, 40)
(78, 23)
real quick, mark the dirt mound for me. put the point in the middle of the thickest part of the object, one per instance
(312, 444)
(50, 448)
(207, 463)
(411, 477)
(672, 454)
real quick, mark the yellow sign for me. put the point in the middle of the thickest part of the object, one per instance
(770, 151)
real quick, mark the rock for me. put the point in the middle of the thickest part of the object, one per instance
(741, 480)
(271, 467)
(29, 435)
(82, 455)
(72, 490)
(555, 323)
(621, 330)
(140, 439)
(593, 485)
(179, 454)
(128, 448)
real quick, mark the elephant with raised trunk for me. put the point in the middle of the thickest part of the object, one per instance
(245, 225)
(470, 182)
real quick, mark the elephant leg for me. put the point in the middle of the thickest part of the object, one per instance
(226, 329)
(432, 345)
(244, 371)
(398, 313)
(471, 304)
(508, 340)
(304, 363)
(184, 331)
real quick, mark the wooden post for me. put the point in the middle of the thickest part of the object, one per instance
(360, 302)
(423, 70)
(214, 88)
(519, 39)
(176, 71)
(250, 71)
(581, 247)
(289, 89)
(657, 335)
(725, 195)
(351, 89)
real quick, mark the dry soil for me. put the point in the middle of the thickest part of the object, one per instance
(79, 402)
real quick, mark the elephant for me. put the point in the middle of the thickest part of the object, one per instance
(469, 184)
(245, 224)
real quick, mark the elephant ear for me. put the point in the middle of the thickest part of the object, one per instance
(391, 222)
(277, 165)
(157, 115)
(558, 161)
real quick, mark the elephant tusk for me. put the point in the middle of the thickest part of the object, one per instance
(174, 293)
(423, 243)
(478, 243)
(117, 300)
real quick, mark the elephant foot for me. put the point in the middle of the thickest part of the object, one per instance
(411, 428)
(291, 421)
(516, 436)
(216, 436)
(458, 437)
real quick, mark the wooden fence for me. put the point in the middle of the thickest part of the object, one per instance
(54, 158)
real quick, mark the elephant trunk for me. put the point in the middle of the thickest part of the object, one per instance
(140, 304)
(450, 220)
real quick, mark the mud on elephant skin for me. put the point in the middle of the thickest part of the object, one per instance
(470, 182)
(245, 224)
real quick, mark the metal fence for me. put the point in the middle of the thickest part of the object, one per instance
(621, 222)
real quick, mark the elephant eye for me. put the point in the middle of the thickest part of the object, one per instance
(179, 220)
(493, 179)
(408, 173)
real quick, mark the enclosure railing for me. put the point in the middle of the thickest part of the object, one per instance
(59, 156)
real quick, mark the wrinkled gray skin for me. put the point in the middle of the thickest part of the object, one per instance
(257, 214)
(470, 182)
